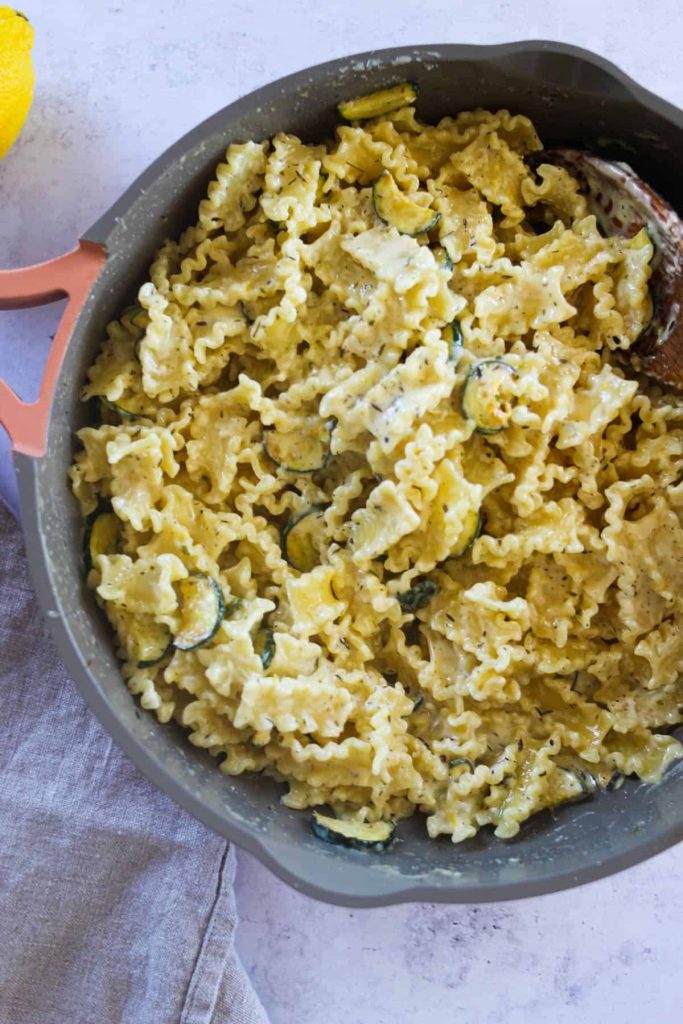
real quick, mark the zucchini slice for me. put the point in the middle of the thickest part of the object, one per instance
(453, 335)
(615, 781)
(472, 527)
(395, 209)
(102, 535)
(300, 451)
(303, 539)
(461, 762)
(375, 104)
(264, 645)
(149, 642)
(442, 258)
(125, 408)
(355, 835)
(486, 395)
(419, 595)
(588, 782)
(202, 608)
(135, 319)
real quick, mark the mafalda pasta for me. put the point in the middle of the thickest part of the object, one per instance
(373, 504)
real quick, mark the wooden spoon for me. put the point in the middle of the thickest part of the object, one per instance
(623, 204)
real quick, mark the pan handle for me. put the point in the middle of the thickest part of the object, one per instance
(69, 275)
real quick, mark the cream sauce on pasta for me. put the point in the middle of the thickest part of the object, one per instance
(548, 652)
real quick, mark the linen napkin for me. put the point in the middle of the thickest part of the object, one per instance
(116, 907)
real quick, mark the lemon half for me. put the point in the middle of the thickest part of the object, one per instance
(16, 74)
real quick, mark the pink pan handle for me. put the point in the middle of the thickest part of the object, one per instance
(69, 275)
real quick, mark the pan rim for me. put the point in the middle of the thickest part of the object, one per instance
(400, 889)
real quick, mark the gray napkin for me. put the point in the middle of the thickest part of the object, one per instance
(116, 907)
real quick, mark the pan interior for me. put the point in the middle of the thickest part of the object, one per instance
(571, 99)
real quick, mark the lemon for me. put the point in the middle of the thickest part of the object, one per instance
(16, 74)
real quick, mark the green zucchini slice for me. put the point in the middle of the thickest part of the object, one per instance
(461, 762)
(355, 835)
(102, 535)
(419, 595)
(588, 782)
(472, 527)
(264, 645)
(442, 258)
(126, 408)
(453, 335)
(201, 611)
(375, 104)
(303, 539)
(135, 319)
(395, 209)
(149, 642)
(300, 451)
(486, 398)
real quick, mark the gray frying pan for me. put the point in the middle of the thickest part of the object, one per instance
(573, 97)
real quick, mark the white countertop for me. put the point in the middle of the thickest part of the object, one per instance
(118, 82)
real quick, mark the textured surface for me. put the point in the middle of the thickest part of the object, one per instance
(117, 83)
(603, 953)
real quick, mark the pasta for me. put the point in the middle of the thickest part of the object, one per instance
(382, 513)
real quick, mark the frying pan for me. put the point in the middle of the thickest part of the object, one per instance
(573, 96)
